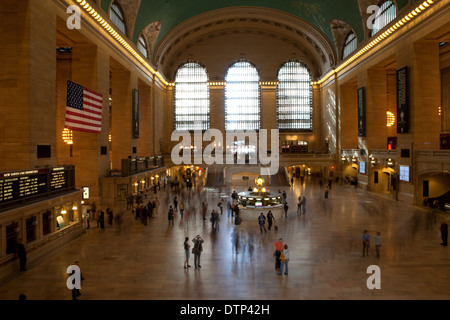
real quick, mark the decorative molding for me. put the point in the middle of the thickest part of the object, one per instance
(151, 32)
(130, 9)
(340, 30)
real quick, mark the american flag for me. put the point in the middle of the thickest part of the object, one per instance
(83, 109)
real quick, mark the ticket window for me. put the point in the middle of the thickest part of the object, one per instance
(12, 231)
(62, 217)
(46, 223)
(30, 225)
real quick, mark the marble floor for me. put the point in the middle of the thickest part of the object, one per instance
(146, 262)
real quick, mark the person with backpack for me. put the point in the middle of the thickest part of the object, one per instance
(284, 259)
(262, 223)
(278, 246)
(270, 219)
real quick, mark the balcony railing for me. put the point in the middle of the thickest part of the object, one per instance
(138, 165)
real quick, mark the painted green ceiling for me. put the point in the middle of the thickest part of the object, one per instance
(317, 12)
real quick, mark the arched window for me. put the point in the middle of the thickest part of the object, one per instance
(384, 16)
(294, 97)
(116, 16)
(242, 111)
(191, 98)
(350, 45)
(142, 46)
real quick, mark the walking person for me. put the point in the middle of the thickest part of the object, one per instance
(204, 209)
(102, 219)
(21, 253)
(303, 205)
(278, 246)
(76, 291)
(262, 223)
(284, 260)
(366, 243)
(197, 250)
(157, 204)
(175, 204)
(97, 217)
(327, 190)
(444, 233)
(216, 220)
(220, 205)
(299, 204)
(181, 208)
(186, 253)
(110, 216)
(284, 197)
(87, 218)
(377, 240)
(118, 222)
(270, 219)
(170, 216)
(285, 207)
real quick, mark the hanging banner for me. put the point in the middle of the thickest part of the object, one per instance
(361, 113)
(402, 101)
(135, 113)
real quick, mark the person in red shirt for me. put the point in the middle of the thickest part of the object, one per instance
(278, 248)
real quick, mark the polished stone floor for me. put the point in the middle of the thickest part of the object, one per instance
(146, 262)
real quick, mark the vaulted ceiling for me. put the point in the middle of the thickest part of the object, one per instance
(317, 12)
(311, 30)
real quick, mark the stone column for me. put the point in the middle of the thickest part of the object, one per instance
(90, 69)
(122, 84)
(376, 106)
(268, 107)
(217, 107)
(27, 89)
(145, 143)
(349, 116)
(425, 88)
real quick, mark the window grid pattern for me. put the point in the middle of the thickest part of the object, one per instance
(191, 98)
(350, 45)
(116, 17)
(142, 46)
(242, 97)
(294, 97)
(385, 15)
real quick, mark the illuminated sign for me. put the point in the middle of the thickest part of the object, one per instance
(362, 167)
(85, 193)
(404, 173)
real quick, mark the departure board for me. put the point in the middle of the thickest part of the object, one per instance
(21, 185)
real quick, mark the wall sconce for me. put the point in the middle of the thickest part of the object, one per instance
(63, 211)
(74, 207)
